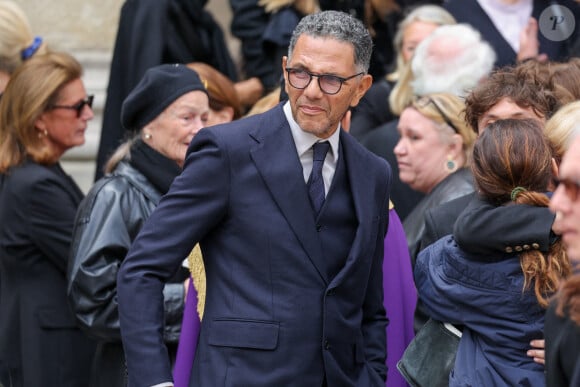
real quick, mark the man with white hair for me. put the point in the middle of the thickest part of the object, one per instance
(453, 59)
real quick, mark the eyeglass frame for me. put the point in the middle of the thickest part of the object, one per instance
(437, 107)
(78, 107)
(571, 187)
(342, 80)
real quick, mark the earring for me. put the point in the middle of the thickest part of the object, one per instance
(43, 133)
(451, 165)
(147, 136)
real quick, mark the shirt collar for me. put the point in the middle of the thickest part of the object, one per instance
(305, 140)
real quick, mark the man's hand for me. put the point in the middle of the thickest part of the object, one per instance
(249, 91)
(529, 43)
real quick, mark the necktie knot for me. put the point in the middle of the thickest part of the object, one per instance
(320, 149)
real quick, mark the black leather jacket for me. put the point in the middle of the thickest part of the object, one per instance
(106, 224)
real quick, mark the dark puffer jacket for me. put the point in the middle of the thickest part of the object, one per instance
(499, 317)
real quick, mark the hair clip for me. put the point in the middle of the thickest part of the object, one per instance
(30, 50)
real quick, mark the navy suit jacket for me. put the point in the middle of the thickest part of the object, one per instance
(272, 316)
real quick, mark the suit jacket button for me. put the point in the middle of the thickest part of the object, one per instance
(330, 292)
(518, 248)
(509, 250)
(535, 246)
(326, 345)
(318, 227)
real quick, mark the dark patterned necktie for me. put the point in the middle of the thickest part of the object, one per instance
(316, 182)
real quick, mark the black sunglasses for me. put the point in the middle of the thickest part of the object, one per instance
(78, 107)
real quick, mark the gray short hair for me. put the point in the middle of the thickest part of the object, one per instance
(340, 26)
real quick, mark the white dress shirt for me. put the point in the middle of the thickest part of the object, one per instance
(304, 141)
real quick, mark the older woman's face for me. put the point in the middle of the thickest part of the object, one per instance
(172, 131)
(414, 34)
(421, 153)
(62, 127)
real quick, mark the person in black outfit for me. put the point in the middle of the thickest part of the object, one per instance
(153, 32)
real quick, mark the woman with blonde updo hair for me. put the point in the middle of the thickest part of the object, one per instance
(43, 113)
(562, 128)
(17, 43)
(433, 153)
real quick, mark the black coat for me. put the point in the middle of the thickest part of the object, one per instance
(40, 343)
(372, 110)
(153, 32)
(562, 354)
(382, 141)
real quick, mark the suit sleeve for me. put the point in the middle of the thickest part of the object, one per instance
(195, 203)
(485, 229)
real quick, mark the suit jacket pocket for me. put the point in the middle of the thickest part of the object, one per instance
(254, 334)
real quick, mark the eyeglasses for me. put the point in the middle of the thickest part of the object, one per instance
(423, 101)
(329, 84)
(571, 188)
(78, 107)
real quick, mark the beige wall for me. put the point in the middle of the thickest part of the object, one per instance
(90, 24)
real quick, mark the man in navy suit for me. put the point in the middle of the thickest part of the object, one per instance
(292, 244)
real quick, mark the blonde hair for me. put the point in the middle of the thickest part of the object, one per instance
(434, 106)
(32, 89)
(562, 127)
(425, 13)
(265, 103)
(15, 36)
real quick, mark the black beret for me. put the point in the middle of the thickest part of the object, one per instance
(159, 87)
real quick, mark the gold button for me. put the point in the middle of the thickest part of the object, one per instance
(518, 248)
(535, 246)
(526, 247)
(509, 250)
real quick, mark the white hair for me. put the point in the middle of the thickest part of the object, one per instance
(452, 59)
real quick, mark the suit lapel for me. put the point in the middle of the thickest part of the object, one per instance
(277, 161)
(359, 181)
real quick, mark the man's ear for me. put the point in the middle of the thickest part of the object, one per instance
(364, 84)
(285, 73)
